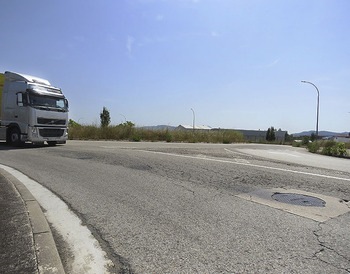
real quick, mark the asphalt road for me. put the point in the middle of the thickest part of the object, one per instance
(177, 208)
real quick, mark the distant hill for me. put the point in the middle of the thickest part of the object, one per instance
(159, 127)
(320, 133)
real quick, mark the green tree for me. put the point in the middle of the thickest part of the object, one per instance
(105, 117)
(270, 134)
(72, 123)
(287, 137)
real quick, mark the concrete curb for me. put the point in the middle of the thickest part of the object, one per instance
(48, 259)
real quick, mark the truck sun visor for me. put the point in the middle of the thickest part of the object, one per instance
(44, 90)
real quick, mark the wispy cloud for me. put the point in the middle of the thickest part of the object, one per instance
(160, 17)
(273, 63)
(269, 65)
(129, 43)
(214, 34)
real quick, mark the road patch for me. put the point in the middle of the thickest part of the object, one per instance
(332, 207)
(245, 164)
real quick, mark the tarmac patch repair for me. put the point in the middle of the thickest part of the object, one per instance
(332, 208)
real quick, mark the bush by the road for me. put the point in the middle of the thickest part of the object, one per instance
(314, 147)
(329, 148)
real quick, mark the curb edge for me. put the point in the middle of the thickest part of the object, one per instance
(48, 258)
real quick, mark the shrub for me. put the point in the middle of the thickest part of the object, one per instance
(313, 137)
(168, 137)
(330, 148)
(296, 144)
(342, 150)
(226, 141)
(136, 138)
(314, 147)
(305, 140)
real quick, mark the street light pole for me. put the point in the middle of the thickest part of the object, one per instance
(318, 104)
(193, 118)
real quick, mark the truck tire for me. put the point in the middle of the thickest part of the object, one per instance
(15, 137)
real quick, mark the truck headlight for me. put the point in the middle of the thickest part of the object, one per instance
(34, 132)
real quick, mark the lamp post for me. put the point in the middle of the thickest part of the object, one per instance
(318, 104)
(193, 118)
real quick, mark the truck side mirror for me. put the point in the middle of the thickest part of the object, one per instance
(20, 99)
(66, 102)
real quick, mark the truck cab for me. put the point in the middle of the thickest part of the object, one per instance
(32, 110)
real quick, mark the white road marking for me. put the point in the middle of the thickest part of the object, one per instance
(88, 255)
(248, 164)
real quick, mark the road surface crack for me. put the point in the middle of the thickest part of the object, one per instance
(324, 248)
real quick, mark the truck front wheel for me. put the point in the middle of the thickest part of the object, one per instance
(14, 137)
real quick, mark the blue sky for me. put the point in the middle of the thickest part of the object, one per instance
(237, 63)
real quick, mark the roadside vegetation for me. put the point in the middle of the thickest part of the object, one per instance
(128, 132)
(324, 147)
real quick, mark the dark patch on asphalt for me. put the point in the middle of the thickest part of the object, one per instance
(141, 167)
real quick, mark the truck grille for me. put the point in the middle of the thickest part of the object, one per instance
(46, 121)
(51, 132)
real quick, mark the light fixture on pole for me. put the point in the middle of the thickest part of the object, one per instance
(318, 104)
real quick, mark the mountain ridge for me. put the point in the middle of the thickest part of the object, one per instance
(320, 133)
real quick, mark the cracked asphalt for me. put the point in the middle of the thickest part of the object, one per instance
(173, 208)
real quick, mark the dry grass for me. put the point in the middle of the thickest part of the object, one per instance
(125, 132)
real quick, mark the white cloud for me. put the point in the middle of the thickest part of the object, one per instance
(129, 43)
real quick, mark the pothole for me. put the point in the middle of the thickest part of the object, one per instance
(298, 199)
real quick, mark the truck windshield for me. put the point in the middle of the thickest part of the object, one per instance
(47, 102)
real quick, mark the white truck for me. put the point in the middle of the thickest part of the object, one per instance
(31, 110)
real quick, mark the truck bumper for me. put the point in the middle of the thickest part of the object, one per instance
(48, 134)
